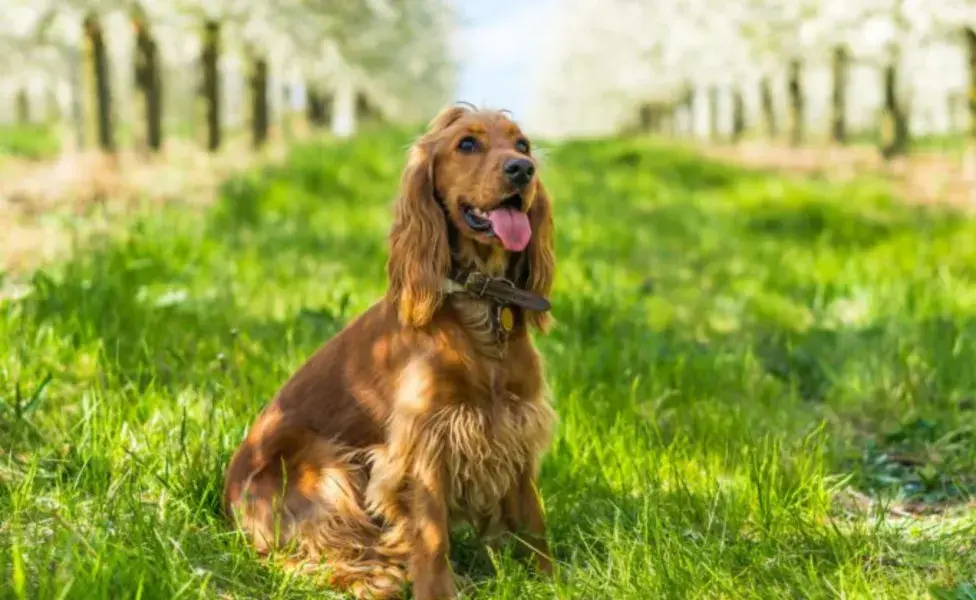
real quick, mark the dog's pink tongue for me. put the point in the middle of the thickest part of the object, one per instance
(512, 228)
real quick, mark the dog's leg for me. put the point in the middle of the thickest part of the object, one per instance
(524, 519)
(430, 568)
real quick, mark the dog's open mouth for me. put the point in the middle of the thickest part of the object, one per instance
(506, 221)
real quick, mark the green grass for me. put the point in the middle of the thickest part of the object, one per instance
(32, 141)
(735, 353)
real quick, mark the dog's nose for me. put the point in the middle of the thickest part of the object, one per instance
(519, 171)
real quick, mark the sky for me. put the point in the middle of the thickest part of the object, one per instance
(499, 44)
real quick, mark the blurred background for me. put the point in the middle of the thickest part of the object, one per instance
(150, 74)
(110, 97)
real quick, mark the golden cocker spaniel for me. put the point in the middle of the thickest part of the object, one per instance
(431, 407)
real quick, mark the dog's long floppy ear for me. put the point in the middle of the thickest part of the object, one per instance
(541, 256)
(420, 254)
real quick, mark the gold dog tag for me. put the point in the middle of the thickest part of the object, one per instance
(506, 318)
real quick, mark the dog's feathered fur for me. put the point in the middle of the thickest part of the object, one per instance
(411, 418)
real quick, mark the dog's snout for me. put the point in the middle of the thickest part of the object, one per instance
(519, 171)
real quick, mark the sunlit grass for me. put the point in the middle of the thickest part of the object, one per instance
(32, 141)
(738, 357)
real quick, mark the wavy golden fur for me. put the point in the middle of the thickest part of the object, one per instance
(413, 417)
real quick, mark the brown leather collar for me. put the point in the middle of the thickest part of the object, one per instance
(498, 289)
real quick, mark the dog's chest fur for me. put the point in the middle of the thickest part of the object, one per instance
(485, 449)
(478, 447)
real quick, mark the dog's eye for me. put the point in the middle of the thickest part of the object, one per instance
(468, 144)
(522, 146)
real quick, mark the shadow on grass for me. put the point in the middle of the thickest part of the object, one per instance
(658, 541)
(906, 430)
(845, 227)
(816, 359)
(165, 338)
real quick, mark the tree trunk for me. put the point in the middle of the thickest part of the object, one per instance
(211, 82)
(52, 107)
(365, 115)
(149, 82)
(188, 94)
(328, 108)
(676, 108)
(259, 101)
(713, 113)
(645, 118)
(311, 106)
(952, 113)
(23, 106)
(795, 88)
(315, 107)
(970, 35)
(100, 74)
(76, 75)
(653, 117)
(768, 110)
(738, 115)
(838, 125)
(286, 116)
(894, 135)
(684, 109)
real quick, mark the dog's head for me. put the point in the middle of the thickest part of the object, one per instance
(472, 174)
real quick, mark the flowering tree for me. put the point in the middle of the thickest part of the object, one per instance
(243, 54)
(832, 65)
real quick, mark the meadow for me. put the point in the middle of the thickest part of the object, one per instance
(766, 386)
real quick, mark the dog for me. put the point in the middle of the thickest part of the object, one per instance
(431, 408)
